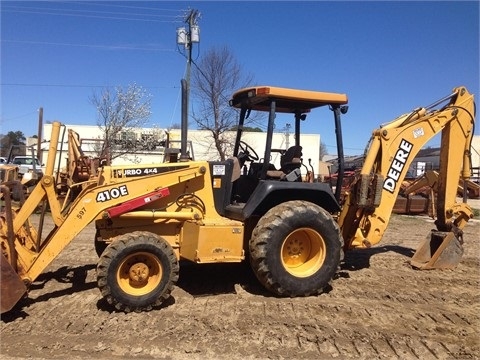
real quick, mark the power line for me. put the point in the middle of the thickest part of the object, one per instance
(19, 116)
(89, 16)
(146, 13)
(109, 47)
(110, 4)
(85, 13)
(81, 86)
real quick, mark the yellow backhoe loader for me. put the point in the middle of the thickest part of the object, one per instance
(292, 229)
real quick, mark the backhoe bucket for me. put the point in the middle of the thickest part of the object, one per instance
(440, 250)
(11, 286)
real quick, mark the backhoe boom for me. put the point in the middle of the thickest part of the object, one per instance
(393, 146)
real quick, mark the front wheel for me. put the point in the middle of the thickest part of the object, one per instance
(137, 271)
(296, 249)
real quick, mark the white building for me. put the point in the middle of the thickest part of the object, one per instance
(201, 142)
(203, 146)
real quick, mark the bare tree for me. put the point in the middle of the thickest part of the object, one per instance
(323, 150)
(214, 80)
(120, 111)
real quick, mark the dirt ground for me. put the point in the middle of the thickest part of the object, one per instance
(378, 308)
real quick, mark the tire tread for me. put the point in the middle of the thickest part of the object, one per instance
(261, 239)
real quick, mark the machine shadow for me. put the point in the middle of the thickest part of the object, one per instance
(212, 279)
(76, 276)
(360, 259)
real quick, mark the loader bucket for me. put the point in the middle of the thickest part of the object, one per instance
(11, 286)
(440, 250)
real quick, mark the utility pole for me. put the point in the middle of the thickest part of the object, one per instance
(188, 37)
(39, 135)
(287, 136)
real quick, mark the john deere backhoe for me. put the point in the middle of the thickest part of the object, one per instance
(292, 229)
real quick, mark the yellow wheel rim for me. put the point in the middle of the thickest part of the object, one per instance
(139, 273)
(303, 252)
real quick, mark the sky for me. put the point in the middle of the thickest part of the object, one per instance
(389, 57)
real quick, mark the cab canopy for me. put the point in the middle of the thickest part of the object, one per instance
(275, 100)
(286, 100)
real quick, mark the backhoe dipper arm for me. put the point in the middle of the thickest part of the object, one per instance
(370, 200)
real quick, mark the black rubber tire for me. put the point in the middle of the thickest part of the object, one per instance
(100, 245)
(128, 256)
(18, 192)
(296, 249)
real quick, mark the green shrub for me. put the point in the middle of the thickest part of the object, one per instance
(476, 213)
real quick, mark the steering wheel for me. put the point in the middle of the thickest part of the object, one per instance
(249, 151)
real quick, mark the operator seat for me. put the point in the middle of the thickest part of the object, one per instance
(289, 161)
(292, 159)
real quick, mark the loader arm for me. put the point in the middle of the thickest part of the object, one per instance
(25, 255)
(89, 205)
(393, 147)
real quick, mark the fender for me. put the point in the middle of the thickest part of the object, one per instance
(270, 193)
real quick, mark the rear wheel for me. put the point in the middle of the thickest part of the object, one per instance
(296, 249)
(137, 272)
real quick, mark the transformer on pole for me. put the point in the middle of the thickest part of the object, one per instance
(187, 37)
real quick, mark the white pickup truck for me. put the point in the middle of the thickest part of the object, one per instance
(26, 164)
